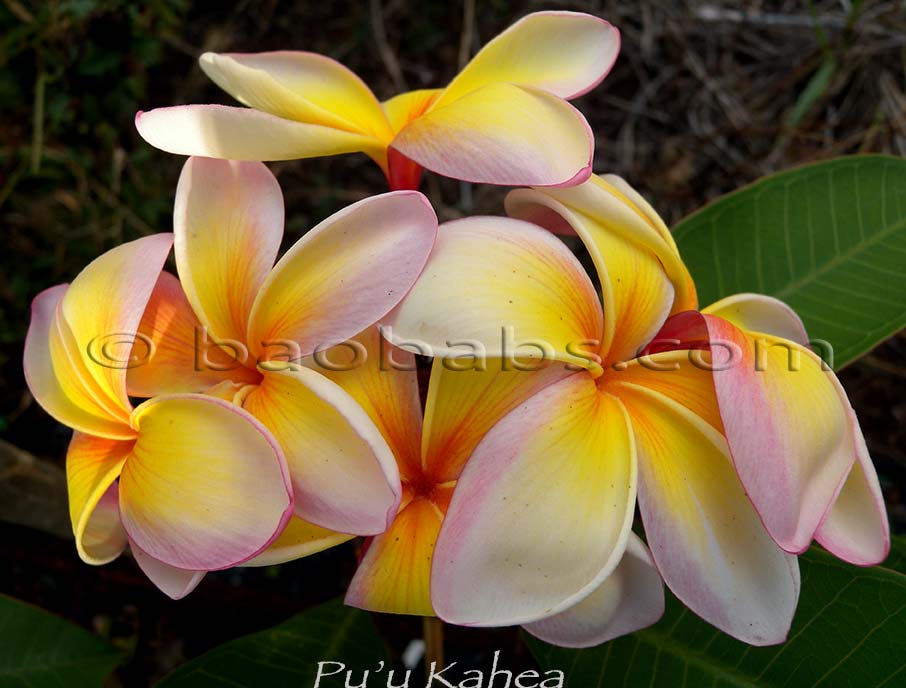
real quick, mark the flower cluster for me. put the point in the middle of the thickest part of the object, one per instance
(250, 411)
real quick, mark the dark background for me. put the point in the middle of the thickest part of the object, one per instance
(705, 97)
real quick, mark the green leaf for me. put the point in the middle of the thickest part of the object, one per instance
(829, 239)
(849, 630)
(39, 649)
(288, 654)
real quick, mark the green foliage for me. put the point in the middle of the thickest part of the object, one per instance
(829, 239)
(39, 649)
(288, 654)
(849, 630)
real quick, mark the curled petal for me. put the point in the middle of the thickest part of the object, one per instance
(505, 287)
(343, 275)
(236, 133)
(706, 538)
(629, 599)
(100, 315)
(564, 53)
(173, 582)
(300, 86)
(206, 486)
(92, 466)
(504, 134)
(856, 528)
(344, 475)
(760, 313)
(542, 511)
(54, 381)
(228, 224)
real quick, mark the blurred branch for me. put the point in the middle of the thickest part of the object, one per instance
(388, 57)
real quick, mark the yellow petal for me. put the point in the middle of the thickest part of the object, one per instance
(705, 536)
(300, 86)
(344, 475)
(463, 404)
(606, 206)
(228, 224)
(206, 485)
(564, 53)
(405, 107)
(384, 382)
(299, 539)
(181, 359)
(542, 512)
(507, 289)
(394, 575)
(92, 466)
(501, 133)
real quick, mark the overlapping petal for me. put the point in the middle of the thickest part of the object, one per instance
(600, 209)
(228, 224)
(394, 575)
(542, 511)
(564, 53)
(343, 275)
(383, 380)
(760, 313)
(502, 133)
(505, 287)
(464, 403)
(92, 466)
(706, 538)
(181, 357)
(629, 599)
(300, 86)
(299, 539)
(344, 475)
(238, 133)
(206, 485)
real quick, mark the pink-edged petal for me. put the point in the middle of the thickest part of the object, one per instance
(300, 86)
(564, 53)
(206, 486)
(92, 467)
(856, 528)
(787, 426)
(599, 210)
(502, 133)
(101, 311)
(236, 133)
(343, 275)
(181, 356)
(228, 224)
(506, 288)
(299, 539)
(760, 313)
(173, 582)
(58, 387)
(383, 380)
(541, 514)
(706, 538)
(629, 599)
(344, 475)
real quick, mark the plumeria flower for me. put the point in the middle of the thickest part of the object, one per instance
(738, 467)
(239, 455)
(461, 405)
(503, 119)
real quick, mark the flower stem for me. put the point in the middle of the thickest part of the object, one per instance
(433, 631)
